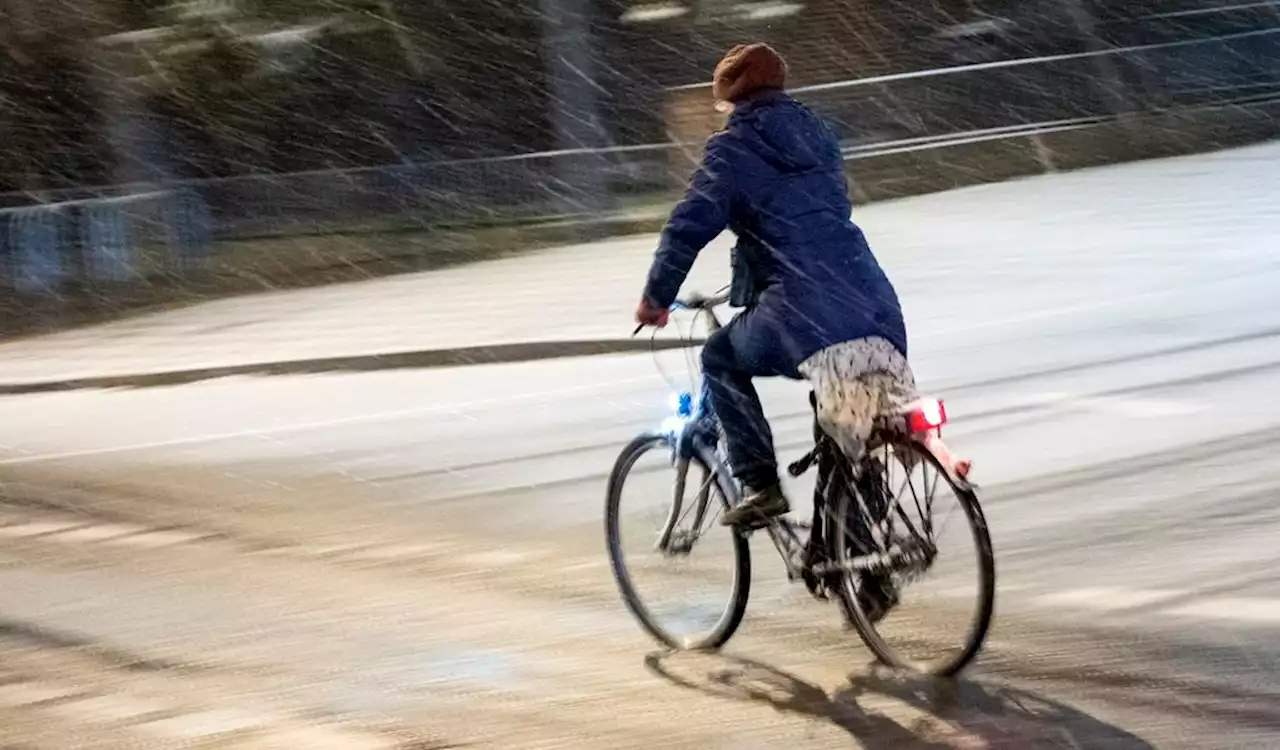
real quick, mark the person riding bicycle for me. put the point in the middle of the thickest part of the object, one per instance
(817, 304)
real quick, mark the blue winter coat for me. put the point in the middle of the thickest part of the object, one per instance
(775, 177)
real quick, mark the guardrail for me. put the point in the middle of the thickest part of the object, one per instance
(97, 242)
(1019, 110)
(877, 115)
(1047, 88)
(172, 232)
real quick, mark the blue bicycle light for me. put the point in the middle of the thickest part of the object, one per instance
(682, 403)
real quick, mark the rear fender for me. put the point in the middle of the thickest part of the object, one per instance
(957, 468)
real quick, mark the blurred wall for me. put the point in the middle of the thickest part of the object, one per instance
(157, 148)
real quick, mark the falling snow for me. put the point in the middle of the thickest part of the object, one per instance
(152, 145)
(378, 547)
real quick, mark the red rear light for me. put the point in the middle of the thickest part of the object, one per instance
(930, 415)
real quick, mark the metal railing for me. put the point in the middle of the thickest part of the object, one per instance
(104, 241)
(1044, 89)
(112, 234)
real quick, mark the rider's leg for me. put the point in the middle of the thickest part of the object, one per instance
(853, 383)
(731, 358)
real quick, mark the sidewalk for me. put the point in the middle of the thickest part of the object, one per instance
(999, 250)
(577, 293)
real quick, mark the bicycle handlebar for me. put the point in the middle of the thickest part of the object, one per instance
(698, 302)
(695, 302)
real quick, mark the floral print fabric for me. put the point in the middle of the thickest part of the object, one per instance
(854, 382)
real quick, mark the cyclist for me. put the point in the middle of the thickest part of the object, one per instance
(817, 304)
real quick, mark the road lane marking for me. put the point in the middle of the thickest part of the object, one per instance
(99, 533)
(23, 694)
(501, 558)
(1102, 599)
(159, 718)
(109, 709)
(318, 738)
(1107, 598)
(264, 432)
(1166, 603)
(39, 528)
(1133, 407)
(157, 539)
(1137, 407)
(393, 552)
(1231, 609)
(366, 553)
(209, 723)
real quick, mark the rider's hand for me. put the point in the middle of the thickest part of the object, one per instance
(648, 315)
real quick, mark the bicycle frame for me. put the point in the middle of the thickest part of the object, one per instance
(783, 533)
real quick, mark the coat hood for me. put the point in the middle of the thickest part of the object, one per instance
(785, 134)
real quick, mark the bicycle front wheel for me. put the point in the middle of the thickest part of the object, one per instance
(917, 573)
(685, 578)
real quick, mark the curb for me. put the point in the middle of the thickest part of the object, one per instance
(419, 359)
(249, 266)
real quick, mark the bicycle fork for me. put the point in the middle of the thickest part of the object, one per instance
(702, 500)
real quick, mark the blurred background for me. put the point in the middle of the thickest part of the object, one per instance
(315, 360)
(155, 148)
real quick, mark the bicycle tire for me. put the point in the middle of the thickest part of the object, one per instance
(732, 617)
(859, 619)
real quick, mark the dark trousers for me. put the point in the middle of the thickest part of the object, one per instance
(748, 347)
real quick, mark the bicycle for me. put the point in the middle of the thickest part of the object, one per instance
(860, 545)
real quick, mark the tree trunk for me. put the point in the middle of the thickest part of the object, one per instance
(574, 95)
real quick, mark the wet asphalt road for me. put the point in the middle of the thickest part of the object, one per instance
(416, 558)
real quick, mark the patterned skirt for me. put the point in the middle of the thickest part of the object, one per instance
(854, 382)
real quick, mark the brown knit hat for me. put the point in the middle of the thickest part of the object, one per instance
(746, 69)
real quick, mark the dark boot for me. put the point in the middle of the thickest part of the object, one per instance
(758, 508)
(877, 596)
(815, 554)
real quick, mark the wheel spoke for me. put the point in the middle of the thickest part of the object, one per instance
(910, 526)
(870, 583)
(711, 574)
(704, 489)
(928, 501)
(924, 518)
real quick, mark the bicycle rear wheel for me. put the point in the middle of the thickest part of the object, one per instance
(886, 539)
(685, 500)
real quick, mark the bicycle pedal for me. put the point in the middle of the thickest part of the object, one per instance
(816, 588)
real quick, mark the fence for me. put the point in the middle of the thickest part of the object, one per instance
(910, 132)
(1012, 90)
(99, 242)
